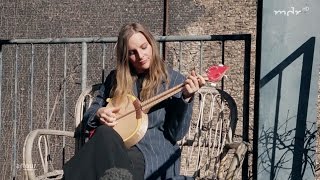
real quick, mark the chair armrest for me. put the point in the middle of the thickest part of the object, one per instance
(240, 150)
(237, 159)
(28, 143)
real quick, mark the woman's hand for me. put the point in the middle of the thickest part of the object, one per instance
(192, 84)
(107, 115)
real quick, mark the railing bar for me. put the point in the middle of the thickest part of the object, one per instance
(48, 87)
(202, 38)
(201, 56)
(60, 40)
(31, 86)
(103, 61)
(12, 103)
(113, 60)
(222, 61)
(15, 121)
(222, 50)
(246, 102)
(84, 66)
(160, 50)
(64, 101)
(64, 90)
(1, 90)
(113, 51)
(114, 39)
(180, 56)
(246, 90)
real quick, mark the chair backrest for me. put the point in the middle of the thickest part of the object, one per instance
(213, 125)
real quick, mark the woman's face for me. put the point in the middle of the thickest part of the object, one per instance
(140, 52)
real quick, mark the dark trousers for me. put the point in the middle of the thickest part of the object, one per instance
(104, 151)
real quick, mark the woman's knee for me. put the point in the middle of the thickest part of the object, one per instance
(103, 130)
(106, 132)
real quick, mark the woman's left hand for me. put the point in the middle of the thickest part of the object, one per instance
(192, 84)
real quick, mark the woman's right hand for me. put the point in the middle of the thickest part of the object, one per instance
(107, 115)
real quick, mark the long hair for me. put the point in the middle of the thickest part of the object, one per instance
(126, 74)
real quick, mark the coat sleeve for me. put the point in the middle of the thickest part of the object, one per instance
(178, 112)
(89, 117)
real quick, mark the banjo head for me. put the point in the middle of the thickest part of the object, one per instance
(129, 127)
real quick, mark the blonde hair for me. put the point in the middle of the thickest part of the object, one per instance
(126, 74)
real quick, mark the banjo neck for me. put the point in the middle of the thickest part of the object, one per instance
(149, 103)
(214, 74)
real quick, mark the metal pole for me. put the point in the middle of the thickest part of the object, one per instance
(201, 56)
(180, 55)
(246, 102)
(31, 86)
(0, 89)
(48, 87)
(84, 66)
(64, 100)
(15, 118)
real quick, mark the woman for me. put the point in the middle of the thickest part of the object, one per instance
(142, 73)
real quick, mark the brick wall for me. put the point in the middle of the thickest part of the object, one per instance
(76, 18)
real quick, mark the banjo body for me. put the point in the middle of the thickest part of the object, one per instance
(132, 122)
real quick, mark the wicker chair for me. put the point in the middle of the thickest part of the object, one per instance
(208, 150)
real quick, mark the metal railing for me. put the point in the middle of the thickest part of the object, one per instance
(23, 63)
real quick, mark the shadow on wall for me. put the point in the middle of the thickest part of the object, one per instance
(279, 138)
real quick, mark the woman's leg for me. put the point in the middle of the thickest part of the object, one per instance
(105, 150)
(137, 163)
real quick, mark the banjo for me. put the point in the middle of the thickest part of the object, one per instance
(132, 118)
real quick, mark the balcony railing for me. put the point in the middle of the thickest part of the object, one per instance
(40, 80)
